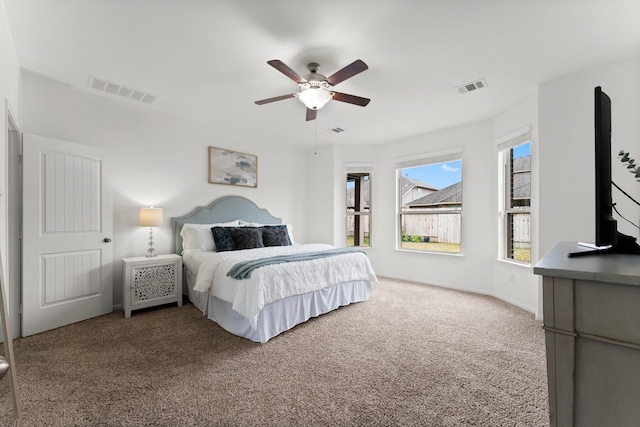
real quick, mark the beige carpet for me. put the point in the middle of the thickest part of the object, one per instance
(413, 355)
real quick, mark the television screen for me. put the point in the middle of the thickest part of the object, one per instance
(606, 226)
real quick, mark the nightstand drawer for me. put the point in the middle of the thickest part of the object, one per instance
(150, 281)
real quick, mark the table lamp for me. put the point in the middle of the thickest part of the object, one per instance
(151, 217)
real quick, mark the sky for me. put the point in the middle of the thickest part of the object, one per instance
(441, 175)
(438, 175)
(522, 150)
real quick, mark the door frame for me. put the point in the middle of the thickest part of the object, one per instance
(13, 267)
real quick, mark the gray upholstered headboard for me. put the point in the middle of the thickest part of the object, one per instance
(224, 209)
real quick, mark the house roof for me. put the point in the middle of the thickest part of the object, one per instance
(522, 177)
(453, 193)
(521, 164)
(522, 185)
(447, 196)
(407, 184)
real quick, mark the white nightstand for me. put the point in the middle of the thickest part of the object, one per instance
(150, 281)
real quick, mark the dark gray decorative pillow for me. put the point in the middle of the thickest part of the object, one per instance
(248, 237)
(224, 238)
(275, 236)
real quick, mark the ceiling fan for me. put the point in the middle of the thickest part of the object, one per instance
(316, 89)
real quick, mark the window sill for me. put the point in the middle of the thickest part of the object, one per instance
(451, 254)
(515, 263)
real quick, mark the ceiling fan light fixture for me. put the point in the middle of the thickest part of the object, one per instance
(316, 89)
(315, 97)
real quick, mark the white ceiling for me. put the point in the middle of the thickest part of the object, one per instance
(206, 60)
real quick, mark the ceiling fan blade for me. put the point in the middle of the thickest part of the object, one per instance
(284, 69)
(350, 70)
(311, 114)
(276, 98)
(351, 99)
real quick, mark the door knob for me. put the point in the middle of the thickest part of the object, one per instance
(107, 240)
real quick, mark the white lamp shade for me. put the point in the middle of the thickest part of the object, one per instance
(151, 217)
(315, 98)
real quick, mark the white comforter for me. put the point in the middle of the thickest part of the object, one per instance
(273, 282)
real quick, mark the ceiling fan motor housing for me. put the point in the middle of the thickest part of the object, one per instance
(315, 88)
(315, 79)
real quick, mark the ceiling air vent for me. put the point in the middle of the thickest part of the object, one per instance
(337, 130)
(119, 90)
(471, 86)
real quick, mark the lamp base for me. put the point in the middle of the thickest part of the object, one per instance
(151, 252)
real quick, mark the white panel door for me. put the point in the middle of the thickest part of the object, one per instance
(67, 230)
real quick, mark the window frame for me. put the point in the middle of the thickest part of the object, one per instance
(505, 210)
(426, 160)
(361, 213)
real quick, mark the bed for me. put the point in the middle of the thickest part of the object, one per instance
(277, 286)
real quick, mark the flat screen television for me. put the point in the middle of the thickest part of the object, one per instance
(607, 235)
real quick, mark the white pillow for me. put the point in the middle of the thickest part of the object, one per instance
(199, 236)
(257, 224)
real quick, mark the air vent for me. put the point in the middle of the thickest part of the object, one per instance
(471, 86)
(337, 130)
(119, 90)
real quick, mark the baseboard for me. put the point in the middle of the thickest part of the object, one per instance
(462, 288)
(515, 303)
(430, 282)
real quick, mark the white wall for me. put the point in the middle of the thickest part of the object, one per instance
(560, 117)
(566, 150)
(160, 160)
(470, 271)
(320, 206)
(9, 68)
(478, 269)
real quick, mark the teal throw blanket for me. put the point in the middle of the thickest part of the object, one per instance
(243, 270)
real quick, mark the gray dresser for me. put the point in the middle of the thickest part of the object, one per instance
(591, 308)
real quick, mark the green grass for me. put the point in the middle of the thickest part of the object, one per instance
(432, 247)
(350, 241)
(419, 246)
(522, 254)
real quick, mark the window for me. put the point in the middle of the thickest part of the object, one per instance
(515, 209)
(358, 209)
(430, 204)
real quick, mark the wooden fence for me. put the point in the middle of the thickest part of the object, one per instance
(521, 230)
(351, 224)
(446, 228)
(442, 228)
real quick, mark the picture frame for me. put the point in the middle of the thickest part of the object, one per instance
(232, 167)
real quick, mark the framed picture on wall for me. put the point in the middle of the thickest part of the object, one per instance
(232, 168)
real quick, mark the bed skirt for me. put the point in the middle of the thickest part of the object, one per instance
(281, 315)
